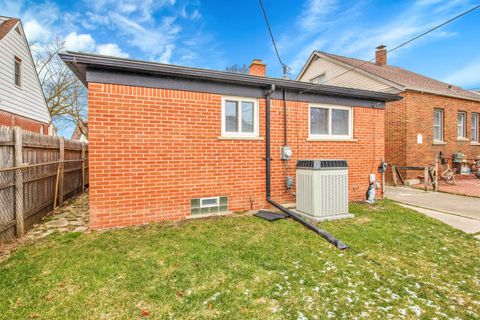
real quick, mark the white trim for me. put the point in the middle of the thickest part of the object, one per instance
(239, 134)
(324, 74)
(464, 125)
(210, 205)
(436, 141)
(20, 71)
(476, 120)
(330, 136)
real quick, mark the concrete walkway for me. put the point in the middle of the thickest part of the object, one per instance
(458, 211)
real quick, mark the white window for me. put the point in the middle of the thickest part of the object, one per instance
(475, 123)
(318, 79)
(461, 125)
(209, 202)
(239, 117)
(438, 125)
(329, 122)
(17, 71)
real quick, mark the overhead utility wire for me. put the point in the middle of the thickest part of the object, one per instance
(285, 68)
(399, 46)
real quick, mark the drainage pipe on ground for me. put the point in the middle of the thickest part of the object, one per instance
(328, 236)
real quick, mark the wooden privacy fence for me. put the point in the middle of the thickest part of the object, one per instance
(37, 172)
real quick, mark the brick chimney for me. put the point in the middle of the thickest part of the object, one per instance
(381, 56)
(257, 68)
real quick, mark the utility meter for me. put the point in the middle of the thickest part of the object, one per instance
(286, 153)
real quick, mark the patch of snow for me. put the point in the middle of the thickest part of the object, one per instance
(212, 298)
(416, 310)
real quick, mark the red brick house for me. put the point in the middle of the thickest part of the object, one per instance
(22, 102)
(433, 116)
(164, 139)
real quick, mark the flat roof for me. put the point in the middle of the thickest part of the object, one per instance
(80, 63)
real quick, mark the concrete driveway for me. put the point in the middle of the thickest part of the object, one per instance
(458, 211)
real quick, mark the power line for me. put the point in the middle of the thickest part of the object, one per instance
(399, 46)
(285, 68)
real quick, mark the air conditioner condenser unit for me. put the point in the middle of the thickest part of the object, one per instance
(322, 189)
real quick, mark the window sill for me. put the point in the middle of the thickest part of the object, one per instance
(473, 143)
(463, 139)
(333, 139)
(241, 138)
(439, 143)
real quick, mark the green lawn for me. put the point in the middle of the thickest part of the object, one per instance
(401, 265)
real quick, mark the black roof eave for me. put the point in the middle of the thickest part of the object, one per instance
(79, 62)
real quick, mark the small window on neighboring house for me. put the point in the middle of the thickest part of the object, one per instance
(239, 117)
(327, 122)
(438, 125)
(461, 125)
(18, 71)
(318, 79)
(475, 123)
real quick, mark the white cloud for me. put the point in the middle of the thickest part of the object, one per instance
(35, 32)
(468, 76)
(167, 54)
(345, 28)
(80, 42)
(314, 11)
(111, 49)
(86, 43)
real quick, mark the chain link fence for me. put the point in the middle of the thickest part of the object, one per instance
(36, 174)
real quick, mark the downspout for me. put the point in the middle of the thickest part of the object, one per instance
(329, 237)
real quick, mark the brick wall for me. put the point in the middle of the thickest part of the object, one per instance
(396, 134)
(420, 120)
(152, 150)
(407, 118)
(12, 120)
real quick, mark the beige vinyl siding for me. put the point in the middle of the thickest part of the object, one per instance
(27, 100)
(350, 80)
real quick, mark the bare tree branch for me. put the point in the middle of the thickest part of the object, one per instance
(65, 95)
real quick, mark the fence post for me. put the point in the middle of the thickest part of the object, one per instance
(62, 170)
(426, 178)
(83, 167)
(436, 173)
(17, 138)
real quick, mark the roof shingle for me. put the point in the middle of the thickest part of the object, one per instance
(407, 79)
(6, 26)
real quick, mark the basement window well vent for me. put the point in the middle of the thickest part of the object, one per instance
(208, 205)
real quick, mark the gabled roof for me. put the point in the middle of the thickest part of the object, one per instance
(6, 25)
(408, 80)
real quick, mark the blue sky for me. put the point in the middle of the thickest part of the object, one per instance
(214, 34)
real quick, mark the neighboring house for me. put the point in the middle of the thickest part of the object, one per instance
(433, 116)
(169, 142)
(80, 133)
(22, 102)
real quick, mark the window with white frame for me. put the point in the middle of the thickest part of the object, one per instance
(475, 123)
(438, 125)
(461, 125)
(17, 71)
(319, 79)
(239, 117)
(330, 122)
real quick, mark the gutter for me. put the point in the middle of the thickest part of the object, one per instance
(79, 62)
